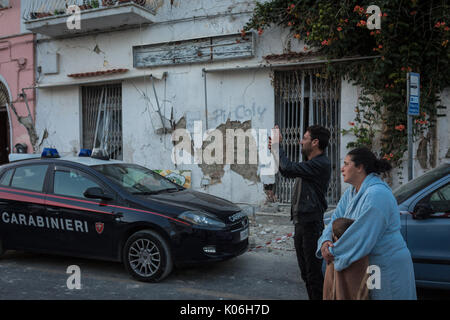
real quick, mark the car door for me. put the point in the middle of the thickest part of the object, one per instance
(22, 208)
(86, 226)
(428, 238)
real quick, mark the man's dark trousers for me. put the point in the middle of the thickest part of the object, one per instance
(307, 233)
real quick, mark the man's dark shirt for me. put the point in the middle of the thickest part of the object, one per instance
(309, 195)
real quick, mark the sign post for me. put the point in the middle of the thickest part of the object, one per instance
(413, 104)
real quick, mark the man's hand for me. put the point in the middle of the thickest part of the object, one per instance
(326, 252)
(276, 137)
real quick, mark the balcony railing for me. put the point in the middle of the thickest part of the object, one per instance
(50, 17)
(38, 9)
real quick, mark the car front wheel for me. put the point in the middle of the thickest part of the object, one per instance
(147, 256)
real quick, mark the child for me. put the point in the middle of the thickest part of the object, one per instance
(348, 284)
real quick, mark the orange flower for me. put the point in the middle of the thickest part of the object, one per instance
(339, 29)
(400, 127)
(297, 36)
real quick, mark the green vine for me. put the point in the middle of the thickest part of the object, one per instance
(414, 37)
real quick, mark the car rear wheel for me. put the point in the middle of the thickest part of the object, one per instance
(147, 256)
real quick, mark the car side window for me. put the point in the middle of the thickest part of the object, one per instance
(30, 177)
(6, 178)
(439, 201)
(72, 183)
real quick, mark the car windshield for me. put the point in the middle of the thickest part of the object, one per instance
(136, 179)
(407, 190)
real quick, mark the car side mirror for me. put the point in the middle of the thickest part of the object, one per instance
(97, 193)
(422, 211)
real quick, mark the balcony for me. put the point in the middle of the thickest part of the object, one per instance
(52, 17)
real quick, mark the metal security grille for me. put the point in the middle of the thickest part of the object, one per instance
(302, 98)
(102, 118)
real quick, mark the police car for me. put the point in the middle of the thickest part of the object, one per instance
(106, 209)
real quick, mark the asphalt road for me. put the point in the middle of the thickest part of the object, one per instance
(257, 275)
(254, 275)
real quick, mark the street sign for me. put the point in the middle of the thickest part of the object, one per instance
(413, 104)
(414, 94)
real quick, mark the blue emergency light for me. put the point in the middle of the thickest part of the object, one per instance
(50, 153)
(85, 153)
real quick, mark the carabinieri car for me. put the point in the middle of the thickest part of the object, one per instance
(111, 210)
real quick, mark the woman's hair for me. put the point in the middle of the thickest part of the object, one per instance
(369, 161)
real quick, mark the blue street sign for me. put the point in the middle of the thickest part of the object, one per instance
(414, 94)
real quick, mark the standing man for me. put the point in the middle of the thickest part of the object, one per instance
(308, 201)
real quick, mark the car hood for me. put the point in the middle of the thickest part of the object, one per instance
(194, 200)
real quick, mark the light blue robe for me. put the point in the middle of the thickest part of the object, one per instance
(376, 233)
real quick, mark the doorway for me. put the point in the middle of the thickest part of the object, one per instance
(305, 97)
(4, 124)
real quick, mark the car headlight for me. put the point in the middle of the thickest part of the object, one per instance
(201, 218)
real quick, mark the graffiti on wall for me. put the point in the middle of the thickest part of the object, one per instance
(240, 112)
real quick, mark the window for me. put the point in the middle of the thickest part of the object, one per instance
(72, 183)
(412, 187)
(30, 177)
(6, 178)
(102, 118)
(136, 179)
(440, 200)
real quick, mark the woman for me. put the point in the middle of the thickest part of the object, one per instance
(376, 230)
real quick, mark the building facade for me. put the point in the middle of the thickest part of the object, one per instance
(129, 76)
(17, 80)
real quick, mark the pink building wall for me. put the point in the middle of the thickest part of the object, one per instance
(17, 68)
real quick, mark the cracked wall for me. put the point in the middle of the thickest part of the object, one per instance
(247, 170)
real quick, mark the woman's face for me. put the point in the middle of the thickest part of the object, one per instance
(350, 173)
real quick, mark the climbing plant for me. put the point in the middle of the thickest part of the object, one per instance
(413, 36)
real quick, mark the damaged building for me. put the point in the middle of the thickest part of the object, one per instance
(124, 75)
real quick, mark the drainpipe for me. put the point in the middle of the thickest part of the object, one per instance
(10, 129)
(206, 97)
